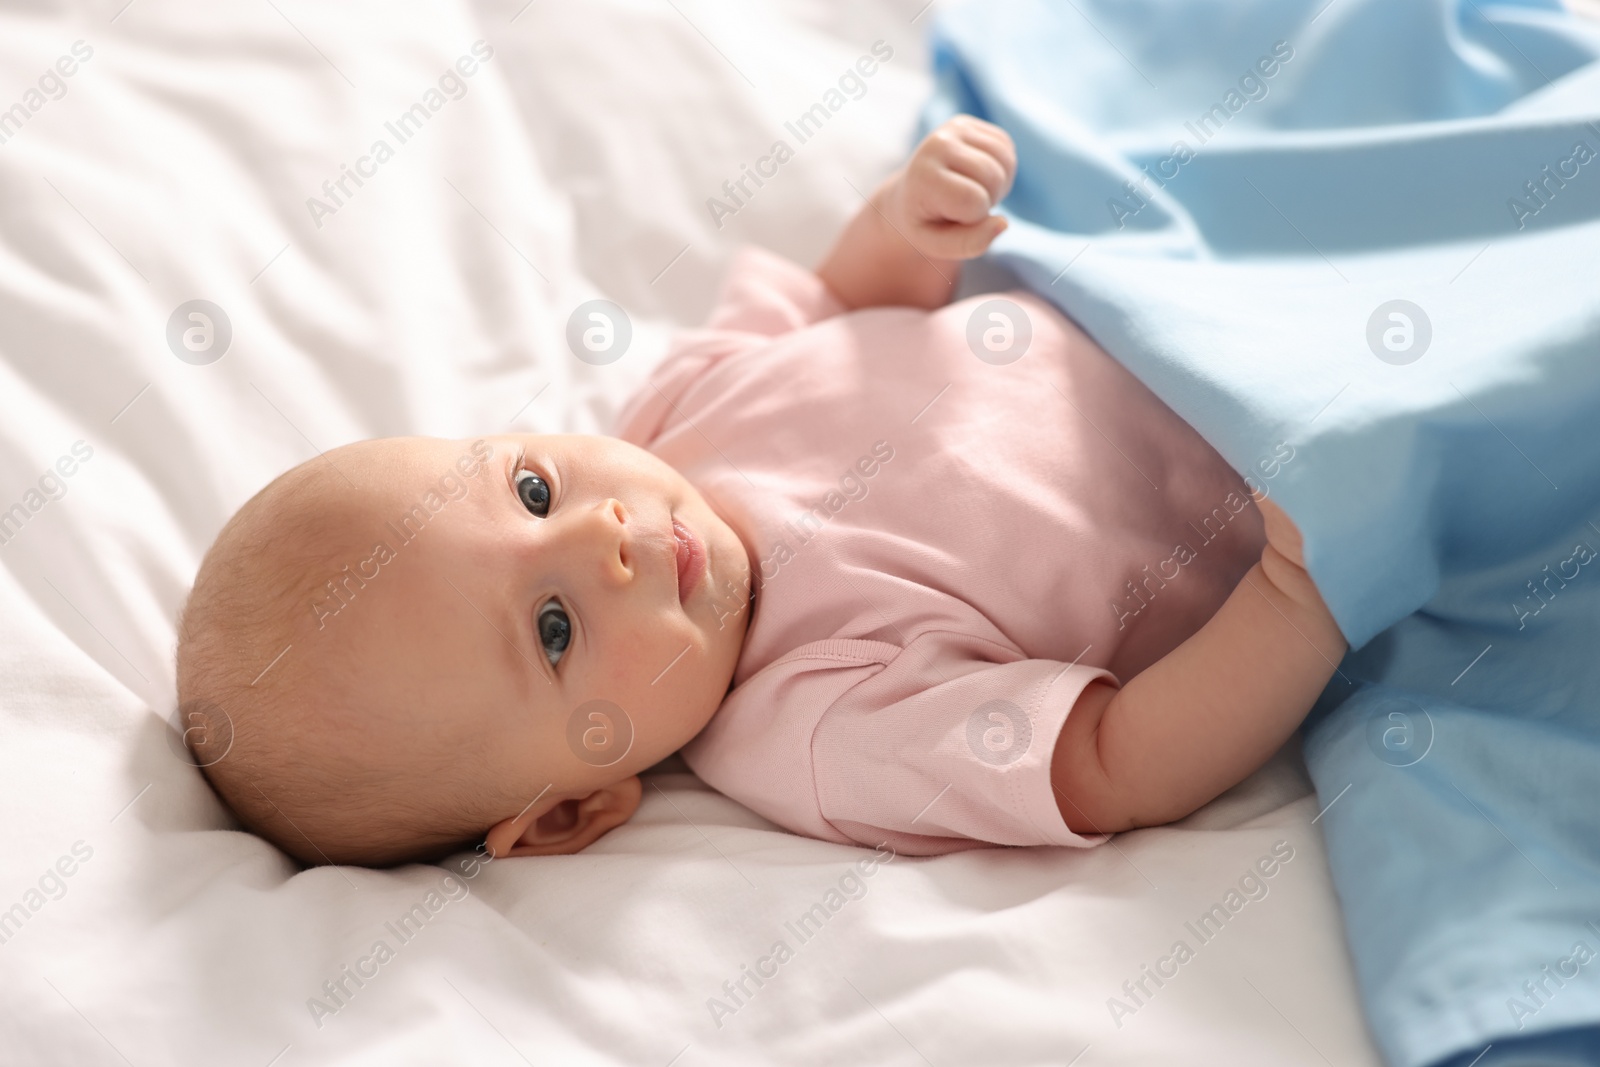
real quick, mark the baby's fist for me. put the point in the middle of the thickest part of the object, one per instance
(954, 179)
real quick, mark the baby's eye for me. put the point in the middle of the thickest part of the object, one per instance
(554, 630)
(534, 493)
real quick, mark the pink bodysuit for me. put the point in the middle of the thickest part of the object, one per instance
(949, 549)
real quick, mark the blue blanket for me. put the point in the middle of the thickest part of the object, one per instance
(1370, 229)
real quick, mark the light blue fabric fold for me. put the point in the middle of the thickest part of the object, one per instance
(1232, 198)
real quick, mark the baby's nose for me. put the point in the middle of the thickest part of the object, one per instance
(615, 540)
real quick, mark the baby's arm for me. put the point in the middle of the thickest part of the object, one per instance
(905, 246)
(1203, 717)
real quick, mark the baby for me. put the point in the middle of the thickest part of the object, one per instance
(887, 570)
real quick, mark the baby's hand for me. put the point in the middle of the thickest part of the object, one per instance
(954, 179)
(905, 245)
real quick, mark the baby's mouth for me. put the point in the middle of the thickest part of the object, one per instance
(691, 559)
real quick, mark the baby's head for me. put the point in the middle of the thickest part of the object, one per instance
(411, 645)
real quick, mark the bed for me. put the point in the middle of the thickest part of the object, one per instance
(540, 155)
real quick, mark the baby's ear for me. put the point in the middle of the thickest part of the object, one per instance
(560, 826)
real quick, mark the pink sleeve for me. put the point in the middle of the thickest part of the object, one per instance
(763, 296)
(941, 749)
(934, 748)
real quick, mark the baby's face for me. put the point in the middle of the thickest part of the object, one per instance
(548, 623)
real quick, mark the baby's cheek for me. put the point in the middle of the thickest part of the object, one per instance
(665, 681)
(638, 664)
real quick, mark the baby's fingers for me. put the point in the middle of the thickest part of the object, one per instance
(953, 182)
(954, 240)
(955, 155)
(940, 195)
(982, 133)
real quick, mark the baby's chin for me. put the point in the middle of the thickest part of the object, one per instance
(729, 584)
(731, 550)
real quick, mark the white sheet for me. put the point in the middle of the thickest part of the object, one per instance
(177, 165)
